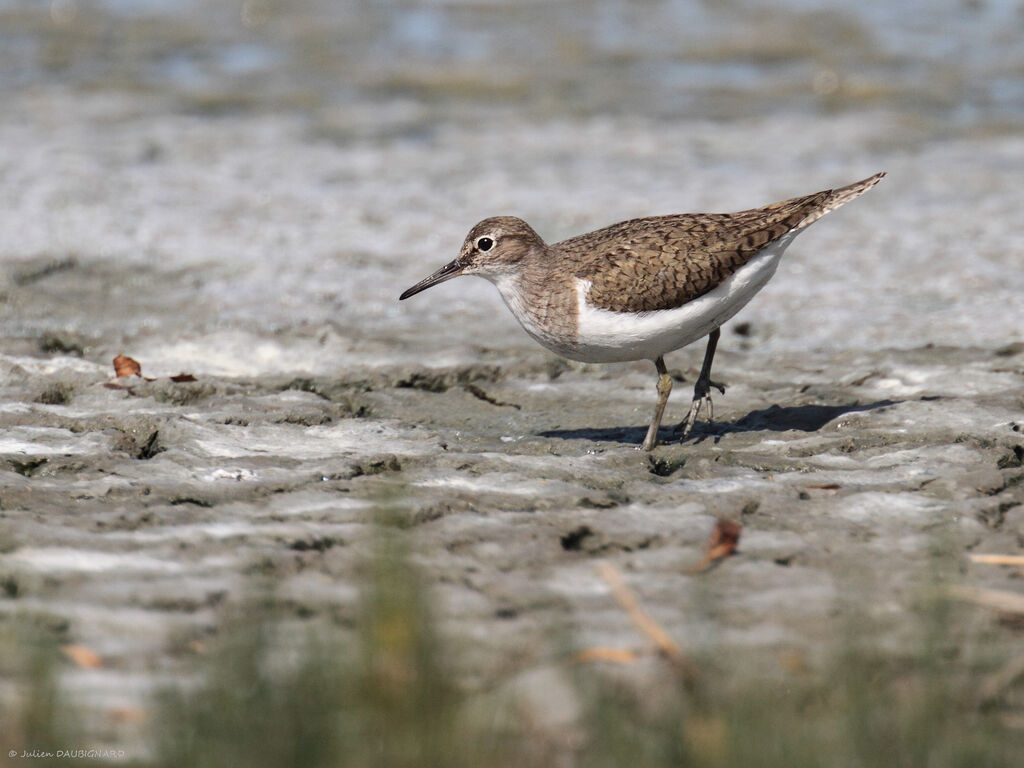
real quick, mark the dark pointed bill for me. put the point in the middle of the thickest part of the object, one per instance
(447, 272)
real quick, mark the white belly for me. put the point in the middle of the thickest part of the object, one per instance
(605, 336)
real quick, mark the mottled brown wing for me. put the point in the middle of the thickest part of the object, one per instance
(666, 261)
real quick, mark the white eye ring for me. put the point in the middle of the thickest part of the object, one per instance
(484, 243)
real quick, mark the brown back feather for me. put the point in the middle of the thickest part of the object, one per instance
(664, 262)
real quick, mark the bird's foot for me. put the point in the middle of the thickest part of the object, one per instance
(701, 395)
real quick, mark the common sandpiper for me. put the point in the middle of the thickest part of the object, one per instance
(639, 289)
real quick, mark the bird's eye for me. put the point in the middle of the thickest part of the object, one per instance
(484, 244)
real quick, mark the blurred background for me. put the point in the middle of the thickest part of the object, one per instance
(276, 165)
(955, 62)
(282, 165)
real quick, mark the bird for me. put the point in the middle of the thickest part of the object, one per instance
(642, 288)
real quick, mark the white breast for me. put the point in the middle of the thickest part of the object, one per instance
(605, 336)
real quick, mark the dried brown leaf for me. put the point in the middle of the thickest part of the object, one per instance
(125, 366)
(724, 538)
(83, 657)
(723, 542)
(182, 378)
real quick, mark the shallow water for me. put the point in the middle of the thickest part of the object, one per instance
(677, 58)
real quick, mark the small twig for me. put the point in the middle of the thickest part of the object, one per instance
(997, 559)
(997, 599)
(600, 653)
(628, 600)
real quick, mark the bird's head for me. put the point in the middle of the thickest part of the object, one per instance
(494, 248)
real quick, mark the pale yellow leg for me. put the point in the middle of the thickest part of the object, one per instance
(664, 388)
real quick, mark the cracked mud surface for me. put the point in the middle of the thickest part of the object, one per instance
(135, 514)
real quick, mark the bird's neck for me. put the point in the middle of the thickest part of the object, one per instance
(543, 301)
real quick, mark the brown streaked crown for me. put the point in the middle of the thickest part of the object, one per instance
(495, 245)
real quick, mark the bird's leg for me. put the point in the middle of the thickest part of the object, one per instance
(702, 389)
(664, 387)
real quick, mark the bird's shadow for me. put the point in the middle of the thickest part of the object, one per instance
(775, 418)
